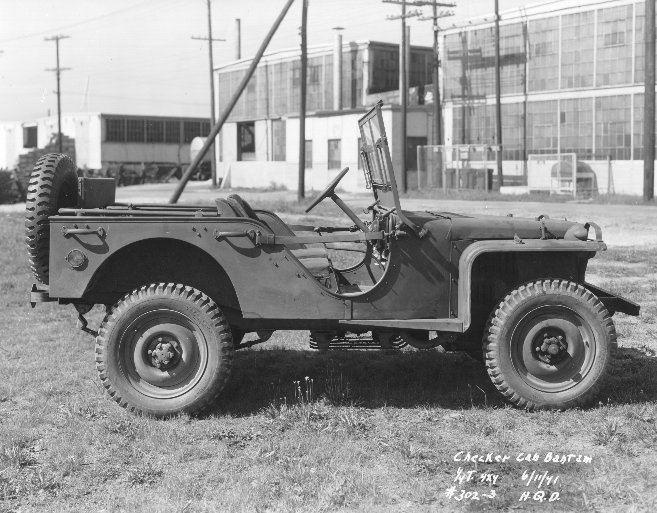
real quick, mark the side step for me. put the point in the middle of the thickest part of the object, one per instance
(40, 295)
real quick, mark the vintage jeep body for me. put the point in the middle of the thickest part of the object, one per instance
(182, 285)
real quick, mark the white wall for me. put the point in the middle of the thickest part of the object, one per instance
(11, 144)
(319, 130)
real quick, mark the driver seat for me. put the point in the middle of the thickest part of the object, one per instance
(316, 260)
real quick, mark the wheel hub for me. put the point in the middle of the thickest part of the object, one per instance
(550, 348)
(164, 352)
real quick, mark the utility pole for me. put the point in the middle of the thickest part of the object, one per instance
(230, 105)
(437, 107)
(210, 40)
(403, 80)
(58, 71)
(301, 188)
(649, 105)
(498, 104)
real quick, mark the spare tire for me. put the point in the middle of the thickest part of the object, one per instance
(53, 185)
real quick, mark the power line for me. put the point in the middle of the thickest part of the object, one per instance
(77, 24)
(58, 71)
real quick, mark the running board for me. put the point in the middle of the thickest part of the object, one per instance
(450, 325)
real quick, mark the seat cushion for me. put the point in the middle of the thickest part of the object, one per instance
(304, 253)
(224, 209)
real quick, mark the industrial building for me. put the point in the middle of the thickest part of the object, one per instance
(106, 140)
(571, 82)
(264, 125)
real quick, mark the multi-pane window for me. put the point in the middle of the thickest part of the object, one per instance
(576, 122)
(115, 130)
(512, 58)
(334, 153)
(154, 131)
(614, 46)
(172, 132)
(246, 141)
(638, 127)
(145, 130)
(543, 54)
(135, 130)
(613, 131)
(512, 131)
(278, 133)
(542, 127)
(577, 50)
(191, 129)
(639, 45)
(309, 154)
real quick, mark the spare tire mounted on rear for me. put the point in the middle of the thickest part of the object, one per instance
(53, 185)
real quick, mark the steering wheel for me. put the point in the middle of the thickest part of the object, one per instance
(330, 189)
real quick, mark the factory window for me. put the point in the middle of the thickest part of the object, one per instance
(576, 122)
(135, 130)
(29, 136)
(191, 129)
(411, 151)
(613, 130)
(577, 50)
(334, 153)
(278, 133)
(172, 132)
(154, 131)
(246, 141)
(314, 74)
(115, 130)
(614, 49)
(543, 61)
(309, 154)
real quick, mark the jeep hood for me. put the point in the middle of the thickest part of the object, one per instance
(461, 227)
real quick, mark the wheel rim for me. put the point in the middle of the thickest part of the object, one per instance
(146, 345)
(552, 348)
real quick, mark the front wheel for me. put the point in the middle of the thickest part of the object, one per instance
(164, 349)
(548, 345)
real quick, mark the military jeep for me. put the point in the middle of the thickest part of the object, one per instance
(183, 284)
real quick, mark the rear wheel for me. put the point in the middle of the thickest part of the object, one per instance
(164, 349)
(53, 185)
(548, 345)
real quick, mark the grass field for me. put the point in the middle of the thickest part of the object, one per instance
(301, 431)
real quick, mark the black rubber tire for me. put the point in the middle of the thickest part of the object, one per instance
(53, 185)
(512, 338)
(138, 321)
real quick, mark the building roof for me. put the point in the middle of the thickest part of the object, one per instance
(537, 10)
(292, 53)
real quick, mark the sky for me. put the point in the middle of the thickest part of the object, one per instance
(138, 56)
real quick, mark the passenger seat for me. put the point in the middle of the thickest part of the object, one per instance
(316, 260)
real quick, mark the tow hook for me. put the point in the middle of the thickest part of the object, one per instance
(82, 309)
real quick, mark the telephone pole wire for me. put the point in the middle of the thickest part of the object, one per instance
(210, 40)
(58, 71)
